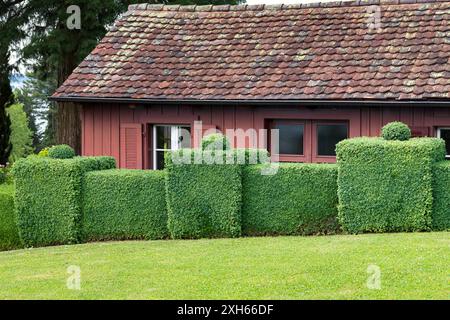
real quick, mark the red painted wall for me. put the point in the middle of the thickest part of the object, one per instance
(101, 123)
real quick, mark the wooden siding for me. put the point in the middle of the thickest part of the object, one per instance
(102, 123)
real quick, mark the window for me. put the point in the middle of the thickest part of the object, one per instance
(309, 140)
(167, 138)
(444, 133)
(290, 137)
(328, 135)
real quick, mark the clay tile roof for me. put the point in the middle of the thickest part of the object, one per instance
(336, 51)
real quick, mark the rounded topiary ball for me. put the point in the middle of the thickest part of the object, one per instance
(396, 131)
(62, 151)
(215, 141)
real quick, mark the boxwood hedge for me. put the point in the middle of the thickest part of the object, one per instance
(48, 197)
(441, 191)
(124, 204)
(386, 185)
(9, 234)
(203, 200)
(299, 199)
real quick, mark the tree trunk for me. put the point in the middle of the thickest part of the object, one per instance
(68, 122)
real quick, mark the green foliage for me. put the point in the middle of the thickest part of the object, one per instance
(21, 135)
(33, 95)
(5, 175)
(124, 204)
(203, 200)
(396, 131)
(9, 234)
(441, 194)
(299, 199)
(385, 185)
(5, 94)
(5, 132)
(215, 141)
(48, 197)
(43, 152)
(61, 151)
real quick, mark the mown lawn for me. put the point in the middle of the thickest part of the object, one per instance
(413, 266)
(6, 188)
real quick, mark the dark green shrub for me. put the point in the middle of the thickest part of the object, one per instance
(215, 141)
(9, 234)
(386, 185)
(299, 199)
(61, 151)
(203, 200)
(396, 131)
(48, 197)
(124, 204)
(441, 195)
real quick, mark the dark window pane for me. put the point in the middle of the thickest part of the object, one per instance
(445, 134)
(163, 134)
(184, 138)
(291, 138)
(160, 160)
(328, 135)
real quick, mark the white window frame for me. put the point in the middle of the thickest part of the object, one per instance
(174, 134)
(438, 134)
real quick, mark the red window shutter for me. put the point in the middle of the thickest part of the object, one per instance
(131, 146)
(420, 131)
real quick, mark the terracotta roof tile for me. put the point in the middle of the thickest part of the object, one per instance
(304, 51)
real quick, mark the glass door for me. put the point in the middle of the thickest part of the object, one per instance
(167, 138)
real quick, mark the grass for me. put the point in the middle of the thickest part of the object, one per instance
(6, 188)
(413, 266)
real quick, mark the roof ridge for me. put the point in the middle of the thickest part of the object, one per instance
(261, 7)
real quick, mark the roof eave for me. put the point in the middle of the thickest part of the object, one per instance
(304, 102)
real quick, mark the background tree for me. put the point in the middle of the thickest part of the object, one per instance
(40, 111)
(5, 100)
(54, 50)
(21, 135)
(12, 16)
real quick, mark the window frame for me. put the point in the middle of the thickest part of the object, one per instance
(306, 156)
(438, 135)
(173, 133)
(310, 140)
(315, 145)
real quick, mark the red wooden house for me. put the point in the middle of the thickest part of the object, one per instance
(317, 72)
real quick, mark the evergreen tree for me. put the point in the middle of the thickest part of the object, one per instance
(55, 49)
(40, 111)
(12, 15)
(5, 100)
(21, 135)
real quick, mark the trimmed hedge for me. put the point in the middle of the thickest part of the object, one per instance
(203, 200)
(215, 141)
(62, 151)
(9, 234)
(386, 186)
(396, 131)
(301, 199)
(124, 204)
(48, 197)
(441, 192)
